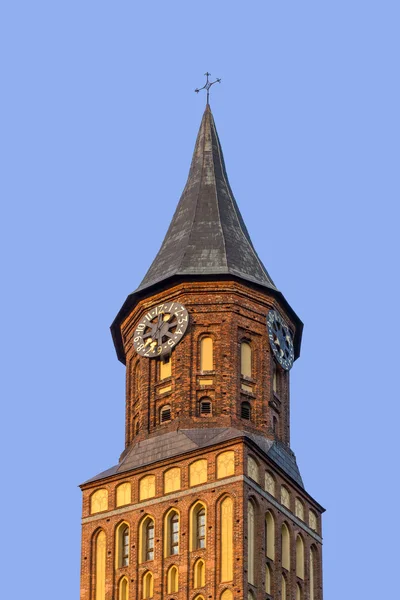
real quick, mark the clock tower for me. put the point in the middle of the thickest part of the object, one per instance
(207, 500)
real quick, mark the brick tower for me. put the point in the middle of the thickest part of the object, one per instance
(207, 501)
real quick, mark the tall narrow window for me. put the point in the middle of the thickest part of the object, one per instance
(285, 547)
(269, 484)
(197, 526)
(150, 540)
(148, 585)
(299, 557)
(245, 360)
(227, 595)
(122, 546)
(172, 533)
(136, 382)
(270, 536)
(227, 539)
(267, 579)
(275, 382)
(206, 354)
(283, 588)
(100, 586)
(123, 589)
(250, 541)
(146, 539)
(172, 580)
(313, 573)
(165, 367)
(199, 574)
(201, 528)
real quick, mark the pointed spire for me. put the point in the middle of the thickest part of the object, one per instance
(207, 235)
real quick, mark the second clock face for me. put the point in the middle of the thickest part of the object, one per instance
(280, 339)
(160, 329)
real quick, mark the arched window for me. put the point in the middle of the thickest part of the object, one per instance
(136, 426)
(165, 369)
(285, 547)
(245, 360)
(100, 554)
(165, 414)
(149, 541)
(124, 494)
(171, 533)
(252, 468)
(199, 574)
(123, 589)
(199, 598)
(147, 487)
(198, 526)
(269, 484)
(206, 354)
(250, 541)
(198, 472)
(299, 557)
(227, 539)
(283, 588)
(250, 595)
(299, 595)
(122, 546)
(172, 480)
(267, 579)
(148, 585)
(285, 496)
(99, 501)
(275, 426)
(172, 580)
(146, 539)
(245, 411)
(299, 509)
(227, 595)
(312, 520)
(225, 464)
(205, 406)
(269, 536)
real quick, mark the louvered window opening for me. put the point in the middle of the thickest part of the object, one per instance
(165, 414)
(205, 407)
(245, 411)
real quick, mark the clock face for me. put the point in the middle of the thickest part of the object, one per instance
(280, 339)
(161, 329)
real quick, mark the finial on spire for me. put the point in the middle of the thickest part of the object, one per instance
(207, 86)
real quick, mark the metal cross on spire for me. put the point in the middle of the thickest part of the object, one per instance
(207, 86)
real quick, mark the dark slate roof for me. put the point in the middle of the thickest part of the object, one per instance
(207, 235)
(176, 443)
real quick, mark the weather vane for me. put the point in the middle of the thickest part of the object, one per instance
(207, 86)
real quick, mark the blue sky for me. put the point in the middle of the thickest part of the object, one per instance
(98, 123)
